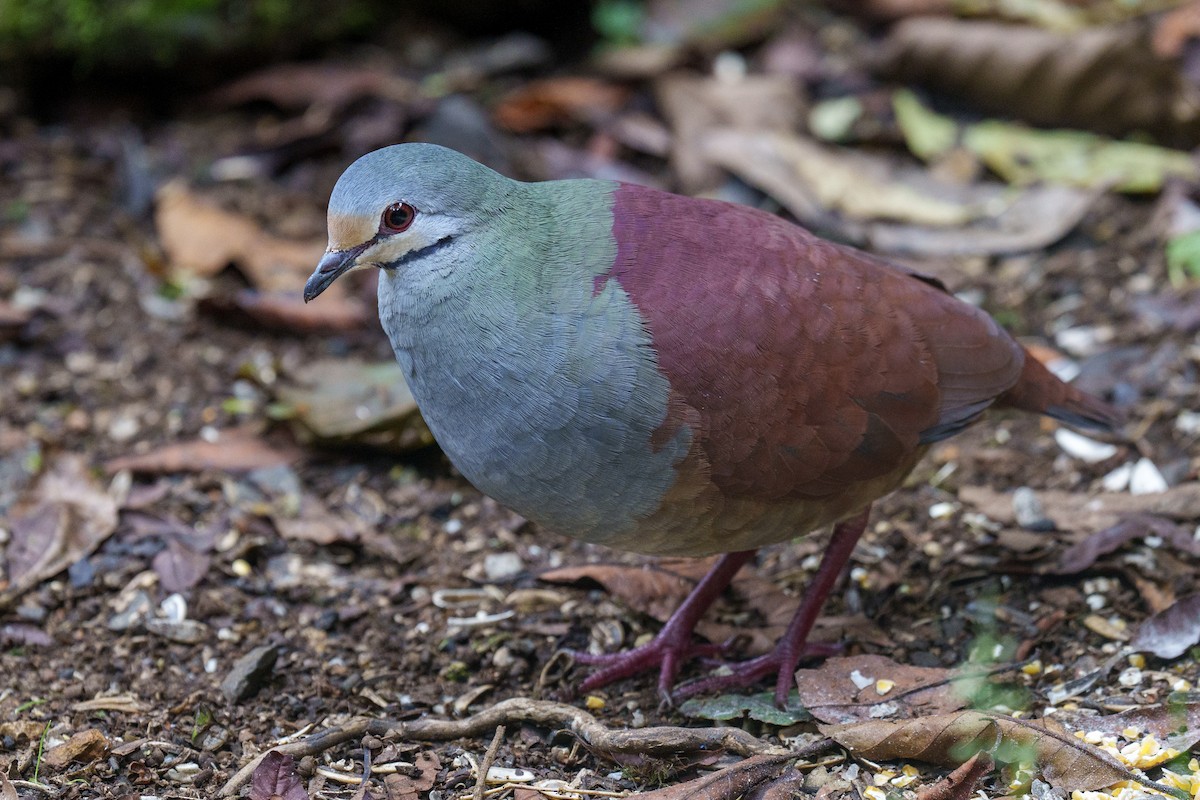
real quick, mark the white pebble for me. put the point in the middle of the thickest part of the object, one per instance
(502, 566)
(1130, 677)
(1146, 479)
(1188, 422)
(942, 510)
(1081, 447)
(174, 608)
(1118, 479)
(860, 680)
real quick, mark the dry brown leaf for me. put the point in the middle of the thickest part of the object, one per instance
(1083, 555)
(959, 784)
(1175, 725)
(286, 310)
(315, 523)
(235, 450)
(297, 86)
(7, 790)
(410, 787)
(201, 239)
(872, 202)
(556, 101)
(695, 105)
(950, 739)
(276, 778)
(324, 392)
(832, 692)
(180, 567)
(61, 519)
(82, 748)
(1171, 633)
(22, 732)
(1105, 79)
(1074, 511)
(658, 589)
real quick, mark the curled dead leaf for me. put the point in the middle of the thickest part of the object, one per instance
(82, 748)
(1171, 633)
(61, 519)
(555, 101)
(695, 105)
(1083, 555)
(1106, 79)
(872, 202)
(1075, 511)
(201, 239)
(658, 589)
(847, 689)
(234, 450)
(950, 739)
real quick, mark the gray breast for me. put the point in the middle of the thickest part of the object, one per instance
(549, 407)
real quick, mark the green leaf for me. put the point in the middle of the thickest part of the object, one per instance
(1023, 155)
(759, 707)
(927, 133)
(1183, 258)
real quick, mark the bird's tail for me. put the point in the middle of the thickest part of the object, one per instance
(1039, 391)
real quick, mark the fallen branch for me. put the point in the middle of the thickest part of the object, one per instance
(656, 741)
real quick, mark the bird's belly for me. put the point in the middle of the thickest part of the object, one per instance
(567, 448)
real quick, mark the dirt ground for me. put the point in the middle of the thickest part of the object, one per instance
(382, 584)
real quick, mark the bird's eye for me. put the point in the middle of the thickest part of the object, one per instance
(397, 217)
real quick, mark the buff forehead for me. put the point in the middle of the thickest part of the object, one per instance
(350, 230)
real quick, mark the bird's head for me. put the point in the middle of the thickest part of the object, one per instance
(402, 203)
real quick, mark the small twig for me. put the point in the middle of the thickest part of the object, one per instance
(655, 741)
(486, 764)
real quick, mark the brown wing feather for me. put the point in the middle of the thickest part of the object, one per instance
(810, 366)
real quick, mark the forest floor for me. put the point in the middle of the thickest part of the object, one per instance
(194, 576)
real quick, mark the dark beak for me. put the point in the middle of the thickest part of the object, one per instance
(331, 265)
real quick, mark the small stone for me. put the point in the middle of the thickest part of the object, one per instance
(1188, 422)
(187, 631)
(1081, 447)
(249, 673)
(502, 566)
(1130, 677)
(123, 428)
(1118, 479)
(174, 608)
(942, 510)
(1146, 479)
(136, 610)
(1028, 511)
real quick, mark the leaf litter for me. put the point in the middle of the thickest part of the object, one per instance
(358, 628)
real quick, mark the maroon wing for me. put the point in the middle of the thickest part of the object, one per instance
(811, 366)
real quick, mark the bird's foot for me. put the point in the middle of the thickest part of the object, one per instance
(663, 653)
(782, 661)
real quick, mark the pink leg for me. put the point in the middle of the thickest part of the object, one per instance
(793, 646)
(673, 645)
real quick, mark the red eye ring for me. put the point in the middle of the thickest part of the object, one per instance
(397, 217)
